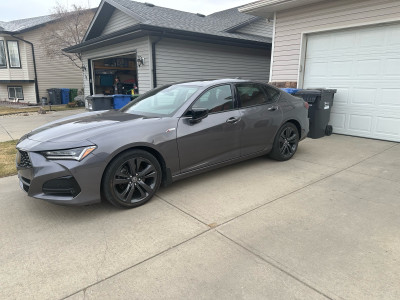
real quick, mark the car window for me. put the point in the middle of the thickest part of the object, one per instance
(273, 94)
(251, 94)
(216, 99)
(163, 101)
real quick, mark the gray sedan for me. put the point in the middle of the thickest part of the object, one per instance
(167, 134)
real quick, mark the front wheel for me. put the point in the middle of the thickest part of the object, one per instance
(285, 143)
(131, 179)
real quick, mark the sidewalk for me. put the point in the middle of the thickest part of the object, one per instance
(12, 127)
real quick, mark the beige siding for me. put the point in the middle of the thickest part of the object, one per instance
(27, 88)
(141, 46)
(26, 70)
(118, 20)
(185, 60)
(261, 27)
(326, 15)
(52, 72)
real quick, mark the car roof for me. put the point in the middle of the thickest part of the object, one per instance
(210, 82)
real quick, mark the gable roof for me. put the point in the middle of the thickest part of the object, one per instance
(22, 25)
(155, 17)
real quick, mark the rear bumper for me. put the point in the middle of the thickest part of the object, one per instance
(84, 177)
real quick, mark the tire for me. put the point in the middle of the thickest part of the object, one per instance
(285, 143)
(131, 179)
(328, 130)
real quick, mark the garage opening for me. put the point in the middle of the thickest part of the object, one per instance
(115, 75)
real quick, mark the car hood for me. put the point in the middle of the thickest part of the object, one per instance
(82, 127)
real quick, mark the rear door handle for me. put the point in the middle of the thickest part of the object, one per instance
(272, 108)
(232, 120)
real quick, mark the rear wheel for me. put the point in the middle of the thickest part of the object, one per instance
(285, 143)
(131, 179)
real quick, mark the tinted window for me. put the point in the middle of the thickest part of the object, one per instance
(272, 93)
(251, 94)
(216, 99)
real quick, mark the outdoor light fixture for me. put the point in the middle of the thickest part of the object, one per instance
(140, 61)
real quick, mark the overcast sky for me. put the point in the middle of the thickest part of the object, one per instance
(20, 9)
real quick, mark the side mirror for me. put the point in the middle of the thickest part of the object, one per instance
(197, 114)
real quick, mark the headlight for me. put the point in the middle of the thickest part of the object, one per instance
(75, 153)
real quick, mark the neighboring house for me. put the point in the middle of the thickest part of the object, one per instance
(350, 45)
(25, 71)
(150, 46)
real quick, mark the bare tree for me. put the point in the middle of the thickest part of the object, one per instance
(67, 29)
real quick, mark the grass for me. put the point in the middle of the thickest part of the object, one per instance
(16, 110)
(7, 158)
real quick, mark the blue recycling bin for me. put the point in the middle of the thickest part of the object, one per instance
(121, 100)
(64, 96)
(290, 91)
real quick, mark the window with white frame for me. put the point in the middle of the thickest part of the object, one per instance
(15, 92)
(13, 54)
(3, 59)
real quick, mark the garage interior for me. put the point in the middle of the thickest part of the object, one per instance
(105, 70)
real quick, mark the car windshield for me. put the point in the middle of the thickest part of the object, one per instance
(163, 101)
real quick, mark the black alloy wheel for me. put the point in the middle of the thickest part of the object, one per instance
(132, 179)
(286, 142)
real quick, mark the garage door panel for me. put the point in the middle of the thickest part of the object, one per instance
(363, 64)
(388, 126)
(391, 67)
(364, 96)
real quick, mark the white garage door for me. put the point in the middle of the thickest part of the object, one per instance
(363, 64)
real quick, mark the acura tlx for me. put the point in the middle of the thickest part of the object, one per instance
(168, 133)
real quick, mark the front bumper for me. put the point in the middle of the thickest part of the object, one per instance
(65, 182)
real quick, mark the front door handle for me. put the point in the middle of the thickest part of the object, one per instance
(272, 108)
(233, 120)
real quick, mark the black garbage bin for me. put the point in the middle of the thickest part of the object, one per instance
(98, 102)
(54, 96)
(320, 101)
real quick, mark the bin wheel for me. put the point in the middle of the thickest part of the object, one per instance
(328, 130)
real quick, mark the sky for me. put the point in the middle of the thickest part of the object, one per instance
(21, 9)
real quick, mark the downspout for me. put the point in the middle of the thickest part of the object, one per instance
(153, 58)
(34, 65)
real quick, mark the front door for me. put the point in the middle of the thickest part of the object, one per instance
(214, 139)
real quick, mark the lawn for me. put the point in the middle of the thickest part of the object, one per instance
(16, 110)
(7, 158)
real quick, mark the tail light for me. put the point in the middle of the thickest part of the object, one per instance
(306, 105)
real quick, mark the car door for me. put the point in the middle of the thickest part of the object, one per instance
(260, 115)
(214, 139)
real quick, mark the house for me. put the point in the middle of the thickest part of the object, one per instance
(25, 71)
(149, 46)
(350, 45)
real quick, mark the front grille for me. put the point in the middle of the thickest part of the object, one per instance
(24, 160)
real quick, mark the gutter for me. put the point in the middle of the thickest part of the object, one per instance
(153, 58)
(34, 64)
(173, 33)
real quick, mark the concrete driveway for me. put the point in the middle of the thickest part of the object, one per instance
(322, 225)
(12, 127)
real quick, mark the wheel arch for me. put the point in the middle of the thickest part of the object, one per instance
(295, 123)
(166, 177)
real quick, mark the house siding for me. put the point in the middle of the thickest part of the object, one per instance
(142, 47)
(26, 70)
(261, 27)
(118, 20)
(327, 15)
(51, 72)
(179, 60)
(27, 88)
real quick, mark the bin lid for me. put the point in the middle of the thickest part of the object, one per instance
(313, 92)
